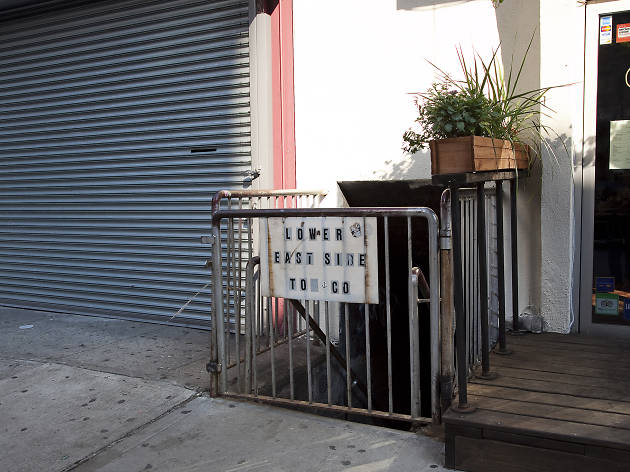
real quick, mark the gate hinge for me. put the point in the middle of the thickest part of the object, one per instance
(213, 367)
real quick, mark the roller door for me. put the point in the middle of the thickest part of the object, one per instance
(119, 120)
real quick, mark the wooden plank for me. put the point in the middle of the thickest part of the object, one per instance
(548, 349)
(608, 453)
(609, 373)
(538, 360)
(543, 427)
(574, 339)
(451, 156)
(559, 377)
(558, 399)
(483, 455)
(543, 342)
(539, 410)
(534, 441)
(609, 392)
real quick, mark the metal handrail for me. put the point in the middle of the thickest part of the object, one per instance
(240, 194)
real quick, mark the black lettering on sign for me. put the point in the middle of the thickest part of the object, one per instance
(287, 233)
(292, 284)
(362, 260)
(303, 284)
(300, 234)
(298, 257)
(276, 257)
(334, 286)
(309, 258)
(339, 234)
(287, 258)
(349, 259)
(327, 258)
(346, 288)
(326, 234)
(338, 258)
(312, 233)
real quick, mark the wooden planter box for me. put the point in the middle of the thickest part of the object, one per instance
(476, 154)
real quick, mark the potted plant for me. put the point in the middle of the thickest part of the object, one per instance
(480, 123)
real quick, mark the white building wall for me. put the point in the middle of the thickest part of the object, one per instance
(562, 59)
(356, 63)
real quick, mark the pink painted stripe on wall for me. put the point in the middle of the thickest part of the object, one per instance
(283, 97)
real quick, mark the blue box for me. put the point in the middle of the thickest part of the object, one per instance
(604, 284)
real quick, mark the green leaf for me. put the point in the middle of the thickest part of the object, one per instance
(460, 125)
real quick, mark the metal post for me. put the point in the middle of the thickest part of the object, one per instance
(460, 315)
(483, 281)
(447, 310)
(250, 308)
(514, 235)
(414, 351)
(217, 302)
(501, 268)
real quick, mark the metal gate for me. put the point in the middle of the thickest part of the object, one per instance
(342, 357)
(119, 119)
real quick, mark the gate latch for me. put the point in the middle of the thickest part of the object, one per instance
(213, 367)
(251, 175)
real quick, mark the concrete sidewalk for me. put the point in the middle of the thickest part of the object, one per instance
(91, 394)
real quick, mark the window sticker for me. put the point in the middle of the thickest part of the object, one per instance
(604, 284)
(605, 30)
(606, 304)
(623, 33)
(619, 143)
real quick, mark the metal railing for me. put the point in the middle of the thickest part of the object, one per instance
(322, 355)
(470, 316)
(238, 241)
(469, 210)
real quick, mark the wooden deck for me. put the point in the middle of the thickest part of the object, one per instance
(559, 403)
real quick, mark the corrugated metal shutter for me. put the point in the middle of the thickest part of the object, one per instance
(118, 122)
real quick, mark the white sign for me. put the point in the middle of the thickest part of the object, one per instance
(319, 258)
(619, 144)
(605, 30)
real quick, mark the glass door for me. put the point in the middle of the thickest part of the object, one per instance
(606, 171)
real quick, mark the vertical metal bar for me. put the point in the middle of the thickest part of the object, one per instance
(309, 380)
(269, 321)
(500, 264)
(248, 316)
(218, 308)
(271, 343)
(414, 354)
(483, 278)
(389, 319)
(348, 371)
(328, 373)
(368, 357)
(469, 275)
(259, 317)
(410, 317)
(256, 343)
(460, 315)
(237, 301)
(434, 320)
(514, 244)
(289, 316)
(230, 250)
(447, 312)
(473, 324)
